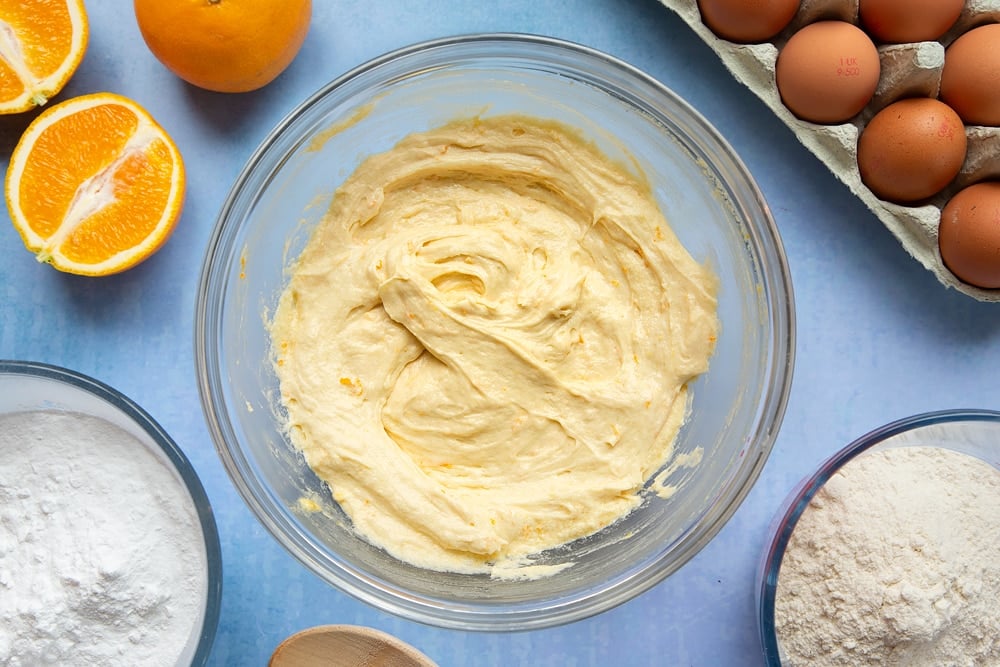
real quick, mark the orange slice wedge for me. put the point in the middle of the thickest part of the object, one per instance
(41, 44)
(95, 185)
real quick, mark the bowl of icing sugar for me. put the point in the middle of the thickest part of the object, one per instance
(889, 554)
(109, 553)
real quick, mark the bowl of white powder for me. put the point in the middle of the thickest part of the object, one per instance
(889, 554)
(494, 332)
(109, 553)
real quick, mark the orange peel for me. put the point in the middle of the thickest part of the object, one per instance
(227, 46)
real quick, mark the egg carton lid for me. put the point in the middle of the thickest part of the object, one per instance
(912, 69)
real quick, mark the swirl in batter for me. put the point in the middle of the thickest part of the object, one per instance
(485, 346)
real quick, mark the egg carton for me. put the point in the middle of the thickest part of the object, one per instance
(907, 70)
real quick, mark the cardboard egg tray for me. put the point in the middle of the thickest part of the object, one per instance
(907, 70)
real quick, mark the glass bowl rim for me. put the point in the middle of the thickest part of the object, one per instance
(178, 460)
(768, 413)
(795, 504)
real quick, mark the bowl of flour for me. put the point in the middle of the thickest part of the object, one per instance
(889, 554)
(109, 553)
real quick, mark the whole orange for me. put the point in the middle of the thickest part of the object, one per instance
(229, 46)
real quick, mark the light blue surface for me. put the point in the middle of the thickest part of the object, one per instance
(879, 337)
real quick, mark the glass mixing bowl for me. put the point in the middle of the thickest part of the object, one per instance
(972, 432)
(27, 386)
(705, 192)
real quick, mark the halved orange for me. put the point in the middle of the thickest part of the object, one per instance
(41, 44)
(95, 185)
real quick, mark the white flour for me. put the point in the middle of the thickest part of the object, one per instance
(896, 562)
(101, 556)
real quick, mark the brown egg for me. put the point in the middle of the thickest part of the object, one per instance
(899, 21)
(827, 72)
(969, 235)
(970, 80)
(911, 150)
(747, 21)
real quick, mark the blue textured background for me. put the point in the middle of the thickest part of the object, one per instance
(879, 337)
